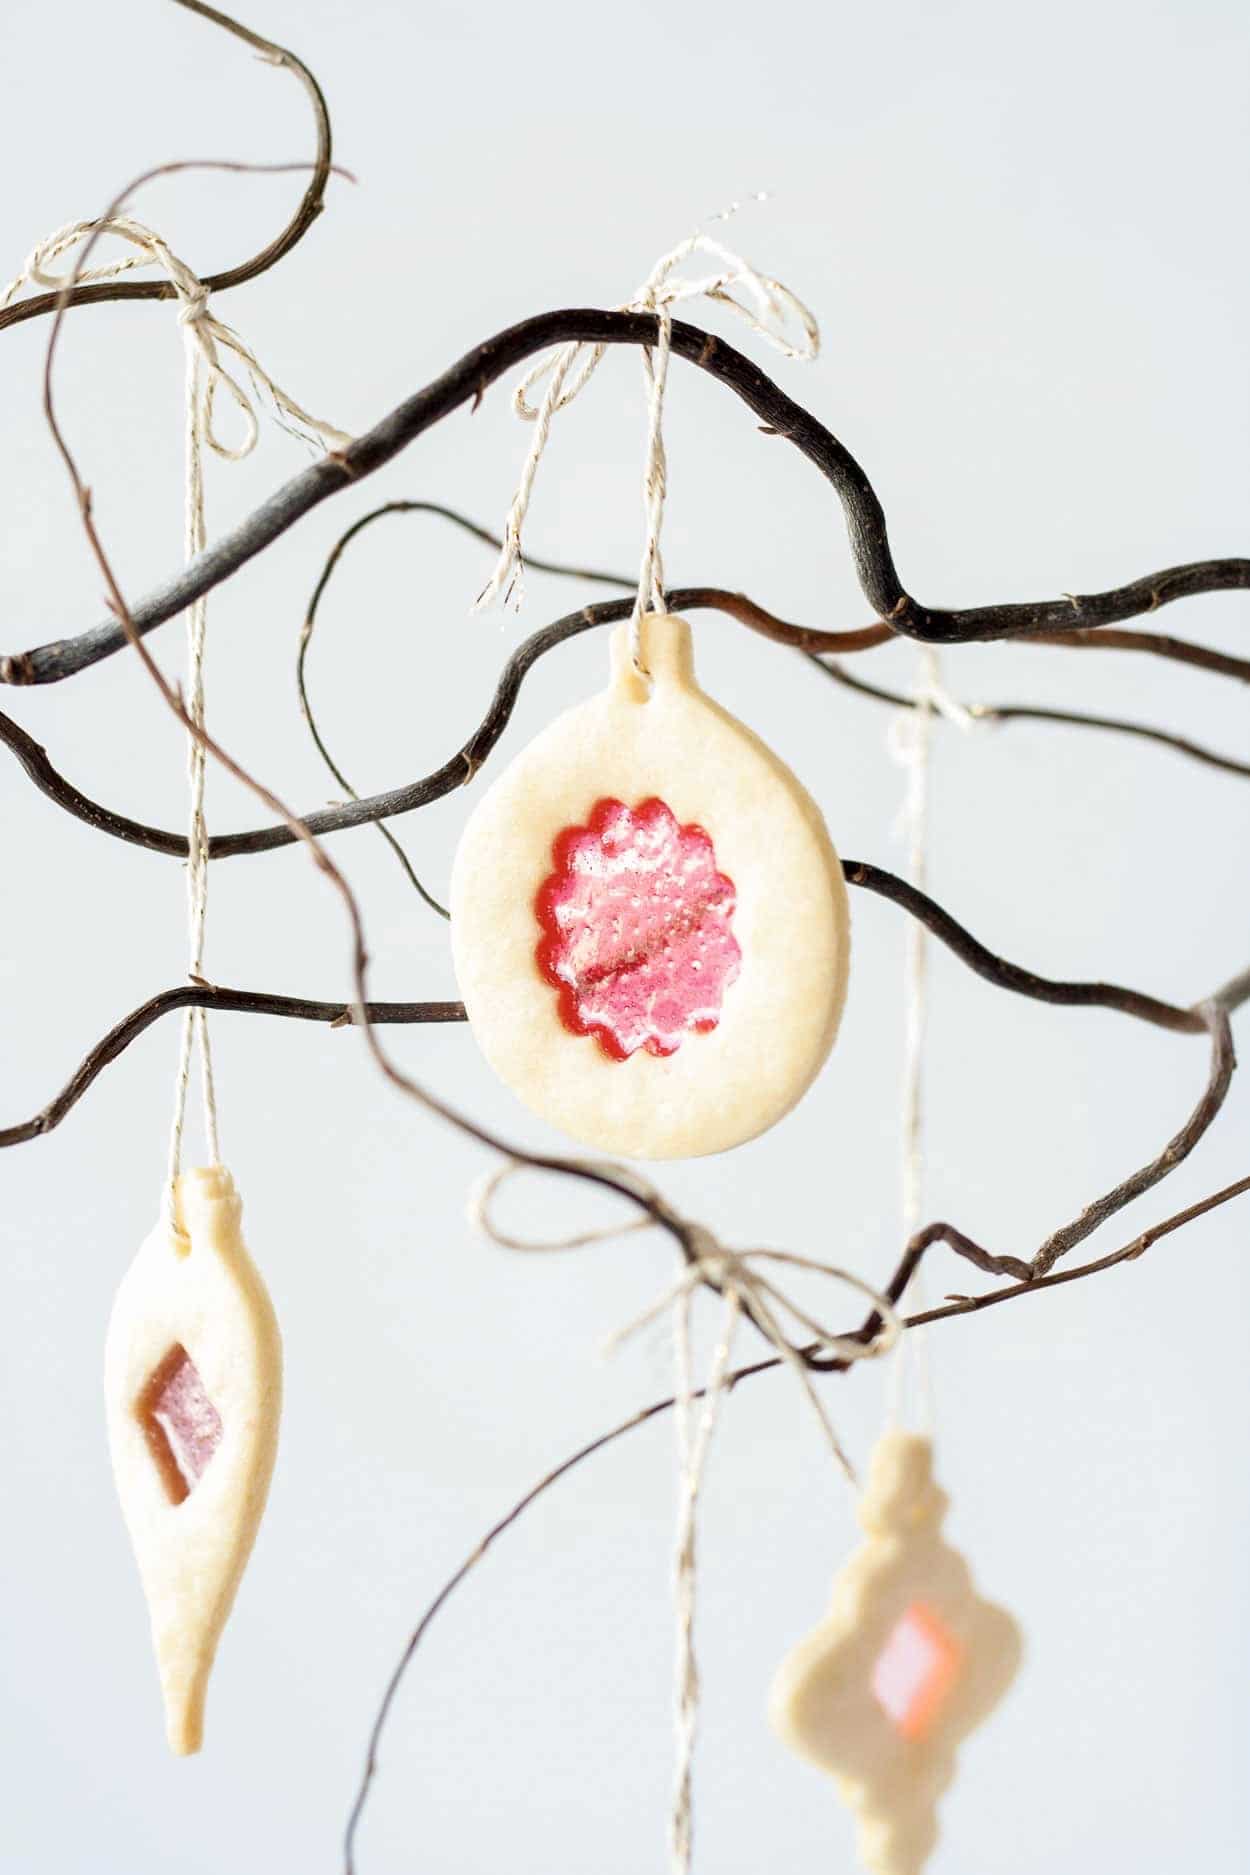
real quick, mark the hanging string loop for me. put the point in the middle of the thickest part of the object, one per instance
(769, 309)
(205, 338)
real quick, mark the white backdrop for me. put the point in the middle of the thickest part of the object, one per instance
(1023, 232)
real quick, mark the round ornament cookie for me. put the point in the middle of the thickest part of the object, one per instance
(649, 922)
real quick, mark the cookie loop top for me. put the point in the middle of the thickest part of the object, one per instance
(667, 650)
(901, 1493)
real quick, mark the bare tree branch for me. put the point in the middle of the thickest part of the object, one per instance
(993, 713)
(1178, 1148)
(964, 1305)
(466, 382)
(1155, 644)
(215, 997)
(310, 206)
(461, 767)
(1009, 976)
(996, 970)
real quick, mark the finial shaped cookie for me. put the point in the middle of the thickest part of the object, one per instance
(906, 1663)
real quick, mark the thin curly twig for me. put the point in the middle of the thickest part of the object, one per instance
(1178, 1148)
(310, 206)
(994, 713)
(997, 970)
(460, 768)
(215, 997)
(964, 1305)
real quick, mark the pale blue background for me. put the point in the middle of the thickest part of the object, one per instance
(1024, 231)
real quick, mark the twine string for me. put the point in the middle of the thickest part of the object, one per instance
(770, 310)
(205, 339)
(910, 740)
(744, 1289)
(195, 1021)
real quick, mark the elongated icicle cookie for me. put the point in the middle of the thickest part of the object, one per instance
(193, 1382)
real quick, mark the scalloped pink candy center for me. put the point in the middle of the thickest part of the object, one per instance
(637, 929)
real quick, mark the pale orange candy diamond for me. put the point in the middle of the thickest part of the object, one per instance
(915, 1670)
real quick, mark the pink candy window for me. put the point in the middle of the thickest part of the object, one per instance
(637, 929)
(180, 1423)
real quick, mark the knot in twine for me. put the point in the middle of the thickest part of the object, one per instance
(737, 1277)
(908, 733)
(208, 334)
(770, 309)
(734, 1274)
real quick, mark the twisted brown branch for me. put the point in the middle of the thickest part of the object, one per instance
(1178, 1148)
(1037, 713)
(970, 950)
(461, 767)
(465, 383)
(1009, 976)
(1155, 644)
(310, 205)
(214, 997)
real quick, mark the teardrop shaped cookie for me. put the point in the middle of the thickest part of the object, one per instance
(649, 922)
(193, 1384)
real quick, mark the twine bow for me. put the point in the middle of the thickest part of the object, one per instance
(771, 311)
(205, 331)
(736, 1276)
